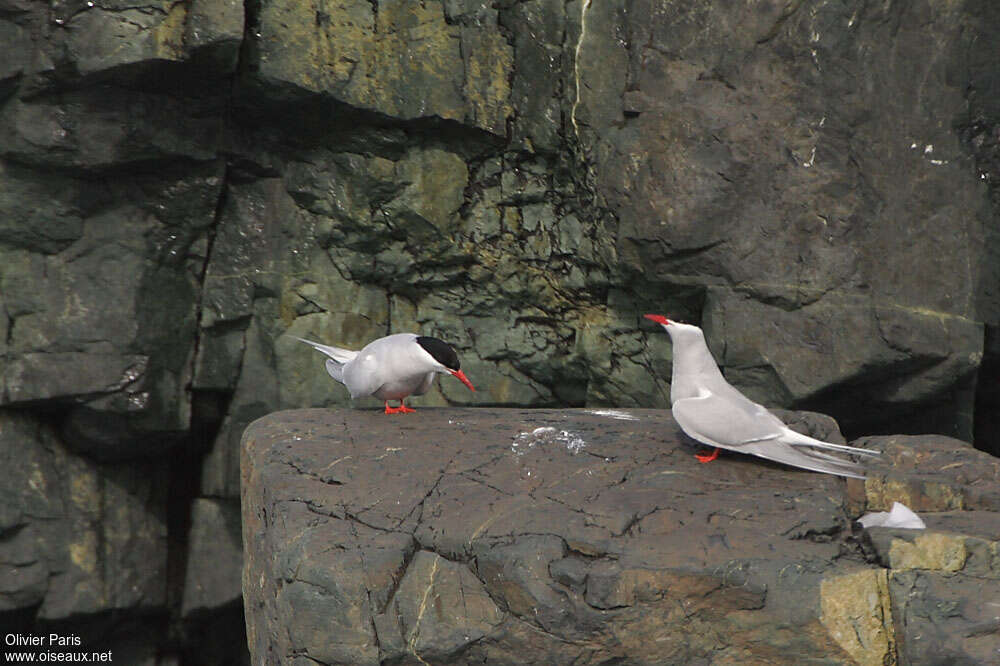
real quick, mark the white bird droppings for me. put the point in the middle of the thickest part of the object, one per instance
(614, 414)
(546, 435)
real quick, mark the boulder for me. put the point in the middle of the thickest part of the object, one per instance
(589, 536)
(943, 584)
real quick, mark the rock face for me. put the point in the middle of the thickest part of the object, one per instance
(791, 134)
(186, 187)
(594, 536)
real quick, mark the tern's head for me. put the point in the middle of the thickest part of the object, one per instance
(675, 328)
(444, 358)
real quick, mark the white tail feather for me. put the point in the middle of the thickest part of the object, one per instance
(798, 439)
(783, 452)
(337, 358)
(336, 353)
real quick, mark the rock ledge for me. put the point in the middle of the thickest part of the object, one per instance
(509, 536)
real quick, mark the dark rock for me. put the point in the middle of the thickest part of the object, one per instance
(217, 638)
(463, 536)
(75, 537)
(943, 582)
(805, 188)
(108, 126)
(395, 58)
(122, 371)
(539, 69)
(29, 505)
(17, 42)
(73, 41)
(909, 471)
(40, 214)
(214, 556)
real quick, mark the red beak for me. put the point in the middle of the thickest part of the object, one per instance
(659, 319)
(462, 378)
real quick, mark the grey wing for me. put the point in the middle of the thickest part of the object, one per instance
(719, 421)
(335, 370)
(362, 376)
(745, 426)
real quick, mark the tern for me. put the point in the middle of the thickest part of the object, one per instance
(710, 410)
(393, 367)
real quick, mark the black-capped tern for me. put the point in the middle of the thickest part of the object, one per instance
(393, 367)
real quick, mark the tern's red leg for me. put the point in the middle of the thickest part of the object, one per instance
(390, 410)
(707, 457)
(403, 409)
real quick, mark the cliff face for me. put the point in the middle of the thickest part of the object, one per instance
(184, 187)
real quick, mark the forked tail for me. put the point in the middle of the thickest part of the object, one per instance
(337, 358)
(780, 450)
(801, 451)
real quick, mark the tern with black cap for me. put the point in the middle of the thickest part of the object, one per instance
(393, 367)
(711, 411)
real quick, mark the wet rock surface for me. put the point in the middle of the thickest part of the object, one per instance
(587, 536)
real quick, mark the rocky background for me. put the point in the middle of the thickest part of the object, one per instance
(185, 186)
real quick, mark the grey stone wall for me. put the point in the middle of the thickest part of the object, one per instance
(185, 187)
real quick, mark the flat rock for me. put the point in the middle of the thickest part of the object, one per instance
(555, 536)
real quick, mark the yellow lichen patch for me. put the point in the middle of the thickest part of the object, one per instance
(487, 86)
(936, 551)
(84, 491)
(316, 46)
(83, 552)
(855, 610)
(168, 36)
(881, 492)
(410, 68)
(943, 497)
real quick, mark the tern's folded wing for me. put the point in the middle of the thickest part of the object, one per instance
(719, 421)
